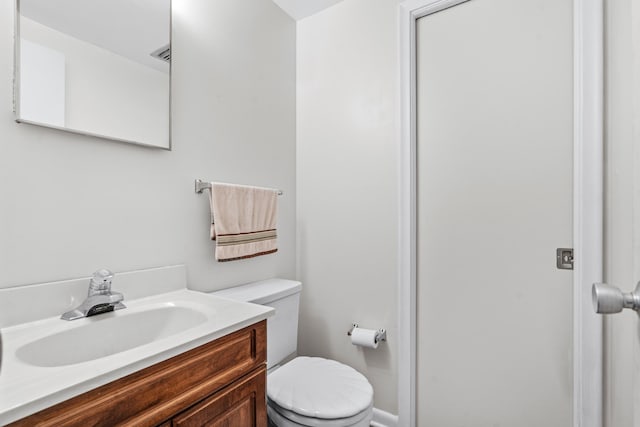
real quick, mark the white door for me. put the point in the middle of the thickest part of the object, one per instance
(494, 201)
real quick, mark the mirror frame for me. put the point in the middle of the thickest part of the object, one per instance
(16, 89)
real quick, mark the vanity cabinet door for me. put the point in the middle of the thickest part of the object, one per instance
(242, 404)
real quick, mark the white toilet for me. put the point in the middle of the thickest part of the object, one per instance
(306, 391)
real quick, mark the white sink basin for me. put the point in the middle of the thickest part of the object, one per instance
(107, 334)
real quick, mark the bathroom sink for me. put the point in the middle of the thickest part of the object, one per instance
(47, 360)
(107, 334)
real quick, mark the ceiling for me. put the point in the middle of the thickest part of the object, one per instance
(299, 9)
(130, 28)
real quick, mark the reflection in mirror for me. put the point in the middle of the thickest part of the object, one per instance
(97, 67)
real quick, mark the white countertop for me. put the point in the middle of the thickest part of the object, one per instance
(26, 389)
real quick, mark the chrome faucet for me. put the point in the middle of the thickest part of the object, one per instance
(100, 298)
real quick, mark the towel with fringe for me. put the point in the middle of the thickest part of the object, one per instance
(243, 221)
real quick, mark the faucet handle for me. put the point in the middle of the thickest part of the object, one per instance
(100, 282)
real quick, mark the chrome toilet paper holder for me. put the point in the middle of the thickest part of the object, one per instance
(381, 334)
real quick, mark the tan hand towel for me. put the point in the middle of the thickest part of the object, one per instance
(245, 221)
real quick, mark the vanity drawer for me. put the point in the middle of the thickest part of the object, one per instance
(157, 393)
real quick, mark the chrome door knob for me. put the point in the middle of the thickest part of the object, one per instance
(609, 299)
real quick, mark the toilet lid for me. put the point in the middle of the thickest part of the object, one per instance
(319, 388)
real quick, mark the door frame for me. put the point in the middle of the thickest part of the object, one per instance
(588, 163)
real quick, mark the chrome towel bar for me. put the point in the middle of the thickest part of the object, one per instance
(201, 185)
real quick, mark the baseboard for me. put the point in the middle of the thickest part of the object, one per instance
(383, 419)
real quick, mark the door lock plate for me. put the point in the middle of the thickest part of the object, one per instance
(564, 258)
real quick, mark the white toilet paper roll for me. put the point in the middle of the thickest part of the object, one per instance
(364, 337)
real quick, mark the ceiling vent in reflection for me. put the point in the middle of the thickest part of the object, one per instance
(163, 54)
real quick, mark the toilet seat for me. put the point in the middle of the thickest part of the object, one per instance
(313, 391)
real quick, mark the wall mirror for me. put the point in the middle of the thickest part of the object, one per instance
(96, 67)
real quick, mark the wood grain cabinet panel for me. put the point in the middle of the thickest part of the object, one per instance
(153, 396)
(240, 405)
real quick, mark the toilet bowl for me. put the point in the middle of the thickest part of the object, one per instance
(305, 391)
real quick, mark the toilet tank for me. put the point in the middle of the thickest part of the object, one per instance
(282, 328)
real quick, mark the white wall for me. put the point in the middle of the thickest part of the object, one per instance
(107, 94)
(70, 204)
(347, 185)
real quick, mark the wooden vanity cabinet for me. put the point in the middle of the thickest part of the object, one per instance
(221, 383)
